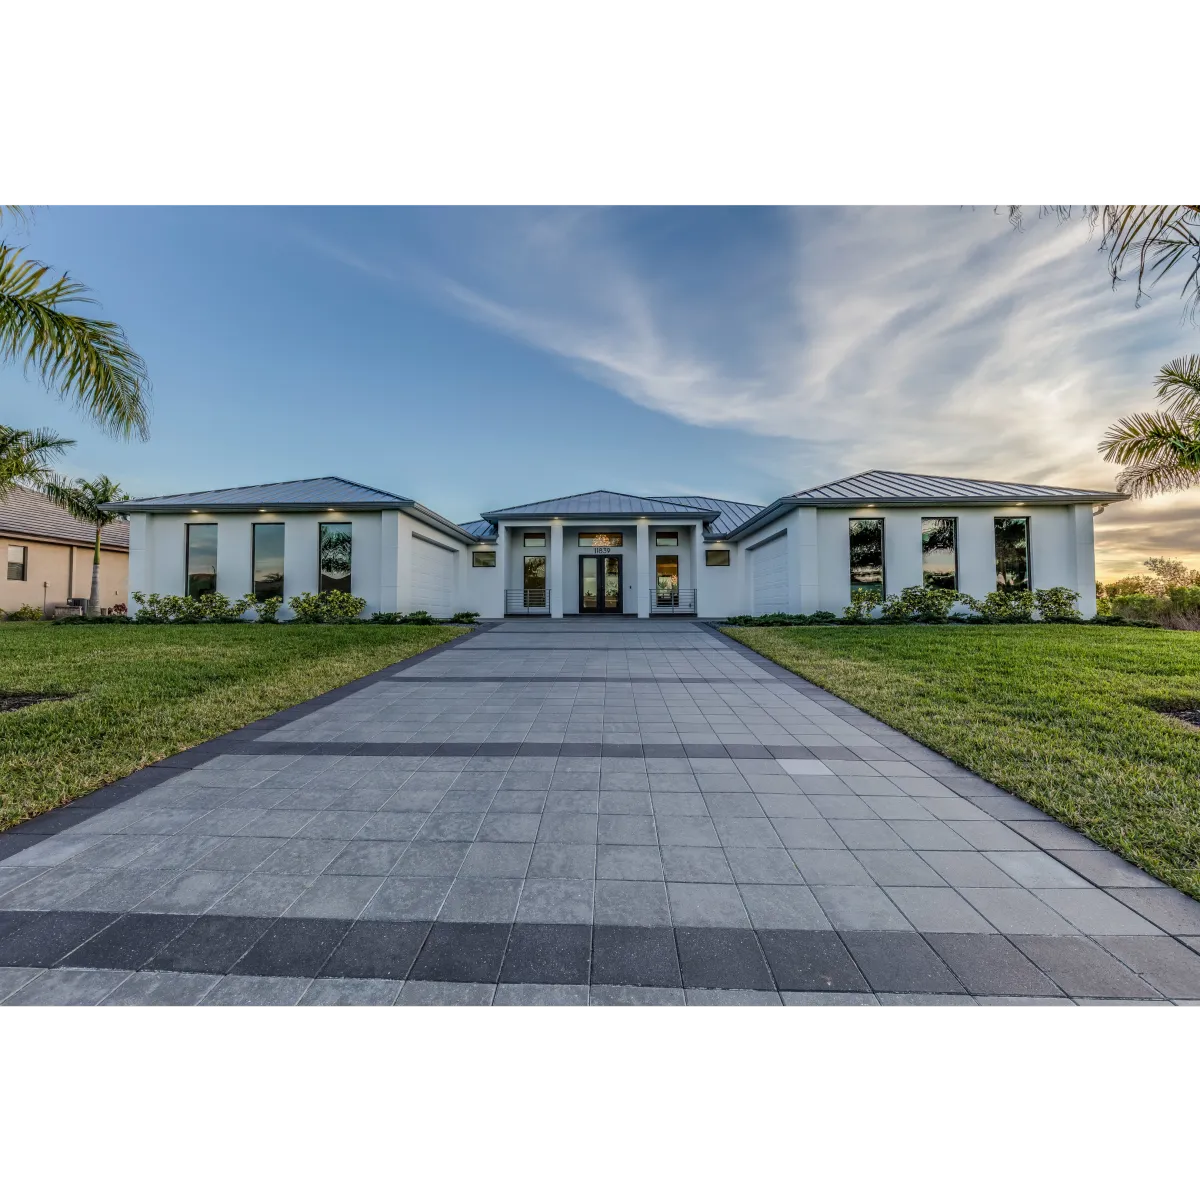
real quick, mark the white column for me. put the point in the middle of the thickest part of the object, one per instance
(805, 573)
(642, 585)
(697, 560)
(494, 606)
(554, 573)
(389, 561)
(1085, 558)
(141, 572)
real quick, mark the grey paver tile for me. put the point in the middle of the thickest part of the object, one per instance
(829, 999)
(121, 891)
(613, 994)
(923, 999)
(413, 898)
(190, 892)
(626, 831)
(800, 833)
(629, 902)
(1106, 870)
(928, 835)
(256, 991)
(967, 868)
(1082, 968)
(1036, 869)
(1092, 911)
(497, 860)
(335, 896)
(687, 831)
(897, 868)
(782, 906)
(630, 862)
(1014, 910)
(695, 864)
(12, 979)
(432, 859)
(161, 988)
(536, 994)
(990, 964)
(356, 992)
(731, 997)
(1170, 910)
(746, 832)
(568, 828)
(556, 901)
(830, 867)
(854, 907)
(261, 895)
(420, 992)
(67, 986)
(937, 910)
(556, 860)
(1163, 962)
(989, 835)
(481, 900)
(707, 904)
(757, 864)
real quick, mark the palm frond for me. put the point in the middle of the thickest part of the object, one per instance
(26, 455)
(82, 497)
(21, 213)
(1179, 387)
(1153, 478)
(87, 361)
(1146, 436)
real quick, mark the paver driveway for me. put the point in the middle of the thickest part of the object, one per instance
(575, 811)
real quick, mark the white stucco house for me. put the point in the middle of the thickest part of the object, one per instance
(618, 554)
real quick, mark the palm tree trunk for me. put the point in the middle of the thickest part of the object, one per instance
(93, 607)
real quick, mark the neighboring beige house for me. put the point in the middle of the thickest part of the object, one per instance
(46, 555)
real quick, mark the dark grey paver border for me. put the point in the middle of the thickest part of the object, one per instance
(628, 956)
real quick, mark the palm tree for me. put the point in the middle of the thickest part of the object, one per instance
(83, 498)
(26, 454)
(1160, 451)
(82, 359)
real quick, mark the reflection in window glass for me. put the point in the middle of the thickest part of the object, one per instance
(335, 557)
(716, 558)
(666, 575)
(483, 558)
(666, 539)
(535, 572)
(535, 541)
(268, 560)
(1012, 554)
(601, 539)
(866, 554)
(18, 563)
(939, 552)
(201, 559)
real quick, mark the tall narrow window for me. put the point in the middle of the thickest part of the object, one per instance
(666, 579)
(268, 561)
(201, 559)
(866, 554)
(335, 557)
(1012, 554)
(18, 563)
(535, 580)
(939, 552)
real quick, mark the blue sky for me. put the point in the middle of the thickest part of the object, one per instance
(475, 358)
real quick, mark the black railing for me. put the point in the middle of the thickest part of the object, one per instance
(681, 600)
(526, 600)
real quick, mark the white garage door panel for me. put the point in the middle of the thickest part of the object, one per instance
(433, 578)
(769, 579)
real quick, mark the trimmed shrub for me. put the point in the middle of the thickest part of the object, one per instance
(26, 613)
(267, 609)
(1057, 604)
(863, 601)
(419, 617)
(190, 610)
(1006, 607)
(922, 604)
(465, 618)
(326, 608)
(1178, 609)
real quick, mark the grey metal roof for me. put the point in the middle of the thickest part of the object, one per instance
(326, 491)
(481, 531)
(27, 513)
(733, 512)
(899, 487)
(600, 504)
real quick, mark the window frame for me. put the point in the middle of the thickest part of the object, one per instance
(22, 564)
(708, 558)
(349, 588)
(187, 555)
(618, 544)
(476, 555)
(542, 541)
(254, 528)
(666, 533)
(545, 561)
(924, 573)
(1028, 587)
(882, 593)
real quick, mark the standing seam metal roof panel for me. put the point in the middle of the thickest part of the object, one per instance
(733, 512)
(901, 486)
(326, 491)
(598, 503)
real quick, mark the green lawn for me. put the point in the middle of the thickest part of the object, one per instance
(1065, 717)
(142, 692)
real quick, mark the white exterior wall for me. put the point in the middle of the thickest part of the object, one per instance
(1060, 548)
(381, 558)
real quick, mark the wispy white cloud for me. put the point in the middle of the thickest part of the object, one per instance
(925, 339)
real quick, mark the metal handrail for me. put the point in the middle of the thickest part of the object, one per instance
(526, 600)
(678, 600)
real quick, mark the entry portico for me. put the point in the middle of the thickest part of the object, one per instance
(599, 553)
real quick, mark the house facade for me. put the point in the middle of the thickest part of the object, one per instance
(605, 553)
(47, 556)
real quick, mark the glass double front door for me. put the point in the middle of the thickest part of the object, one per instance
(600, 583)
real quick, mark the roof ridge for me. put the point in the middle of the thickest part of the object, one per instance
(718, 499)
(588, 492)
(242, 487)
(955, 478)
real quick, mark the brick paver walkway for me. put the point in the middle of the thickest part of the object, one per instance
(570, 812)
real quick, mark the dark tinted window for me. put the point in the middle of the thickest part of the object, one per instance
(666, 539)
(866, 554)
(1012, 554)
(535, 541)
(716, 558)
(335, 546)
(939, 552)
(483, 558)
(18, 563)
(535, 571)
(268, 561)
(201, 559)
